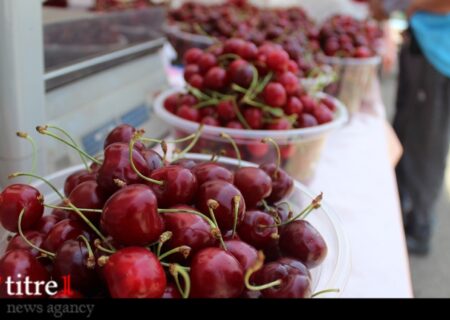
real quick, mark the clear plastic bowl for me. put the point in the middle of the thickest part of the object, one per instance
(333, 273)
(183, 41)
(354, 78)
(300, 148)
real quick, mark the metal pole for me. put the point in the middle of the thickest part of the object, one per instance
(22, 93)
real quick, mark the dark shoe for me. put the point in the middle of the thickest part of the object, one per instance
(417, 247)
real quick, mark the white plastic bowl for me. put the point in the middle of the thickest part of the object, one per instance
(333, 273)
(302, 147)
(354, 78)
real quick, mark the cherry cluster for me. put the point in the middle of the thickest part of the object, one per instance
(134, 225)
(345, 36)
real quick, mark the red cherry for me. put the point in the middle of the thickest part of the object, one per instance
(253, 116)
(275, 94)
(278, 60)
(76, 178)
(254, 184)
(116, 165)
(208, 171)
(323, 114)
(210, 121)
(171, 292)
(13, 200)
(171, 102)
(88, 195)
(329, 104)
(226, 110)
(282, 183)
(248, 51)
(131, 217)
(46, 223)
(123, 133)
(188, 100)
(215, 273)
(307, 120)
(18, 242)
(362, 52)
(309, 103)
(293, 106)
(63, 231)
(206, 62)
(280, 124)
(188, 230)
(179, 185)
(300, 240)
(235, 125)
(240, 72)
(190, 70)
(215, 78)
(196, 81)
(134, 272)
(60, 213)
(289, 81)
(153, 159)
(257, 230)
(243, 252)
(295, 279)
(258, 149)
(224, 193)
(16, 265)
(188, 113)
(192, 55)
(233, 45)
(185, 163)
(72, 259)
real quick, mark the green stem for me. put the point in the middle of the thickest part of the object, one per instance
(70, 209)
(236, 202)
(182, 211)
(130, 154)
(90, 263)
(163, 238)
(192, 144)
(176, 269)
(26, 136)
(97, 244)
(324, 291)
(277, 149)
(184, 250)
(250, 271)
(234, 145)
(240, 116)
(43, 130)
(19, 227)
(213, 204)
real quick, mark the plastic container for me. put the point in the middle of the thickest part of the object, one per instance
(300, 148)
(354, 78)
(183, 41)
(333, 273)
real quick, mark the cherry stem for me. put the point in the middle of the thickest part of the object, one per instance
(197, 213)
(197, 93)
(257, 266)
(19, 227)
(167, 265)
(64, 132)
(164, 237)
(236, 202)
(262, 85)
(239, 115)
(97, 244)
(90, 263)
(193, 142)
(43, 130)
(234, 145)
(227, 56)
(175, 269)
(26, 136)
(131, 149)
(184, 250)
(277, 149)
(212, 205)
(70, 209)
(66, 201)
(324, 291)
(253, 84)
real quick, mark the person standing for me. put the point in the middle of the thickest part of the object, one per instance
(422, 119)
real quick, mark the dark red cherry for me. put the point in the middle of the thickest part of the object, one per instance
(215, 78)
(210, 121)
(243, 252)
(76, 178)
(122, 133)
(134, 272)
(282, 183)
(60, 213)
(171, 292)
(295, 279)
(226, 110)
(63, 294)
(131, 216)
(188, 230)
(275, 94)
(208, 171)
(206, 62)
(280, 124)
(179, 185)
(116, 165)
(258, 149)
(72, 259)
(171, 102)
(240, 72)
(224, 193)
(16, 265)
(188, 113)
(46, 223)
(254, 184)
(17, 242)
(88, 195)
(153, 159)
(185, 163)
(300, 240)
(307, 120)
(257, 229)
(192, 55)
(289, 81)
(215, 273)
(254, 118)
(62, 231)
(15, 198)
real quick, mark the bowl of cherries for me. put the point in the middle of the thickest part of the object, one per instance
(251, 93)
(140, 224)
(352, 48)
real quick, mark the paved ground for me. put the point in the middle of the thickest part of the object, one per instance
(430, 275)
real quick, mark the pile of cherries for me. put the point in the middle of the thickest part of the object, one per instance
(345, 36)
(291, 28)
(134, 225)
